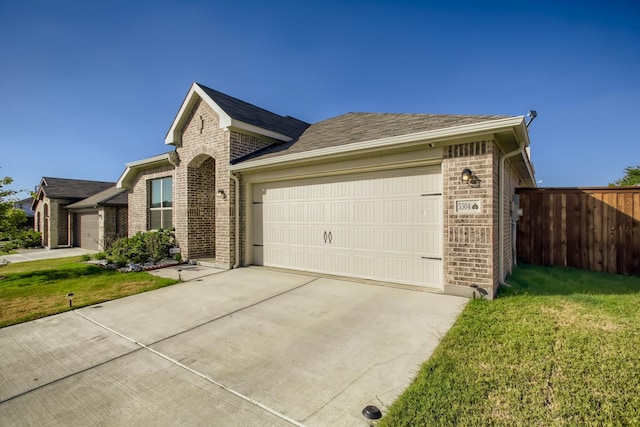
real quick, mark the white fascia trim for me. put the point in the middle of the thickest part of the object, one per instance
(149, 160)
(456, 131)
(133, 168)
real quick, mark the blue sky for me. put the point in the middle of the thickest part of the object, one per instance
(86, 87)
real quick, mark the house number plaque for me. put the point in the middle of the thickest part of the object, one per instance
(469, 206)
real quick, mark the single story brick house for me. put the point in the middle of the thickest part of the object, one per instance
(420, 200)
(73, 212)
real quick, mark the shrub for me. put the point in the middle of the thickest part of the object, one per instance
(9, 246)
(159, 243)
(140, 248)
(99, 256)
(28, 238)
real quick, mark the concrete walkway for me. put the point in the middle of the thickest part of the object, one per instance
(24, 255)
(241, 347)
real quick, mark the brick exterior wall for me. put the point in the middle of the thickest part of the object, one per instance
(112, 226)
(203, 221)
(468, 253)
(139, 196)
(53, 222)
(242, 144)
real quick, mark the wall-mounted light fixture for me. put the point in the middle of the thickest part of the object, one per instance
(220, 193)
(466, 175)
(532, 114)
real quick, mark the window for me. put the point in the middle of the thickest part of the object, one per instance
(160, 203)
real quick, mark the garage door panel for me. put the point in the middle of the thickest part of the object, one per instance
(288, 257)
(428, 242)
(305, 212)
(364, 211)
(375, 225)
(301, 236)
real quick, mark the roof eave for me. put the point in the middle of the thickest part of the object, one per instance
(468, 130)
(134, 168)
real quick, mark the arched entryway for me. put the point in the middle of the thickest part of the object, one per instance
(45, 226)
(201, 192)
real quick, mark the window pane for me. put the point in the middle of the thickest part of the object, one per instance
(167, 198)
(166, 218)
(155, 193)
(154, 220)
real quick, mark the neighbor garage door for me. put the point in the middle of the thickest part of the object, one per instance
(86, 231)
(383, 225)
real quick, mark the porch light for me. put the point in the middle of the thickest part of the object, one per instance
(220, 193)
(466, 175)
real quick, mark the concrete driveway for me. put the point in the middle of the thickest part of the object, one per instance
(244, 347)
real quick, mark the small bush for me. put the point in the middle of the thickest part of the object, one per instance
(99, 256)
(152, 246)
(28, 239)
(9, 246)
(85, 258)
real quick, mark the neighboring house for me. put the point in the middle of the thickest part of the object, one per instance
(100, 219)
(25, 206)
(412, 199)
(72, 212)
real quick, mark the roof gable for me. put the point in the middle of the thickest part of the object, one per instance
(237, 114)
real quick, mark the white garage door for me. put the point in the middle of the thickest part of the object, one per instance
(384, 225)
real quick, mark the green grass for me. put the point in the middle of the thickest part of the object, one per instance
(30, 290)
(561, 347)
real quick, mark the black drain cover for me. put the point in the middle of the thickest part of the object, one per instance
(371, 412)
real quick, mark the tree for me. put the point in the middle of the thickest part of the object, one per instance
(11, 219)
(631, 177)
(5, 205)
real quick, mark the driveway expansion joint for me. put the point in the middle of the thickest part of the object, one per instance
(195, 372)
(231, 313)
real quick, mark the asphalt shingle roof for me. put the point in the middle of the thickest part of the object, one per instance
(248, 113)
(112, 196)
(358, 127)
(63, 188)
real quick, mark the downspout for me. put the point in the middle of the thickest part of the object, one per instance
(237, 218)
(501, 220)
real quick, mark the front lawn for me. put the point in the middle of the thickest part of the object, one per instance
(561, 347)
(29, 290)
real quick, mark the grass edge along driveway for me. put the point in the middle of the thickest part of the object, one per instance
(35, 289)
(560, 347)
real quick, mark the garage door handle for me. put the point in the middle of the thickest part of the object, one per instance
(330, 237)
(325, 237)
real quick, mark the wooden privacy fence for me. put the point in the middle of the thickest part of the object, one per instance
(594, 229)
